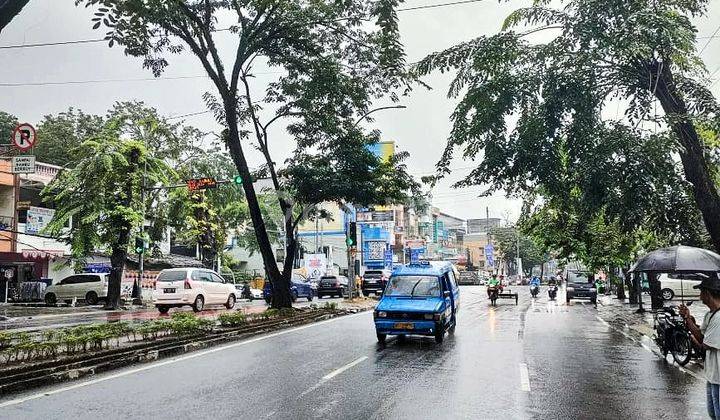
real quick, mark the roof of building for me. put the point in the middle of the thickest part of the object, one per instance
(430, 268)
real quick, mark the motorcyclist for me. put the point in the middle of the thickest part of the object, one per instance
(246, 292)
(534, 282)
(493, 282)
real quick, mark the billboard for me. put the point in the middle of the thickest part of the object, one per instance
(383, 150)
(315, 265)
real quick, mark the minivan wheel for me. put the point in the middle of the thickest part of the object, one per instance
(293, 296)
(91, 298)
(310, 297)
(199, 303)
(163, 309)
(381, 337)
(267, 300)
(50, 299)
(230, 302)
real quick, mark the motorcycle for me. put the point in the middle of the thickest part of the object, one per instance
(493, 292)
(534, 290)
(552, 291)
(672, 336)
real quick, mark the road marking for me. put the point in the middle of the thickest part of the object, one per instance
(602, 321)
(336, 372)
(524, 377)
(171, 361)
(331, 375)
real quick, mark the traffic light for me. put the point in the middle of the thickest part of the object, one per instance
(139, 245)
(238, 180)
(352, 234)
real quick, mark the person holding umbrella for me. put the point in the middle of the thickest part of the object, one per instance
(707, 336)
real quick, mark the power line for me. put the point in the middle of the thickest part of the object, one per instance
(81, 82)
(187, 115)
(709, 40)
(97, 40)
(432, 6)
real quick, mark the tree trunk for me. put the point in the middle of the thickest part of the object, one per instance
(692, 151)
(117, 264)
(280, 284)
(206, 237)
(632, 285)
(621, 285)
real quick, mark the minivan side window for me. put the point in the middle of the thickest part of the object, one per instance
(216, 278)
(69, 280)
(195, 275)
(205, 276)
(87, 279)
(453, 283)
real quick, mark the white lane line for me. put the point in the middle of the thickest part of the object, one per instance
(21, 400)
(331, 375)
(602, 321)
(524, 377)
(336, 372)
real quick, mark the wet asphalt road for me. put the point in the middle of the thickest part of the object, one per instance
(540, 359)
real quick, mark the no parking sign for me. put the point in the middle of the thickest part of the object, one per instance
(24, 136)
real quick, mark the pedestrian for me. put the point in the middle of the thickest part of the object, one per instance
(708, 336)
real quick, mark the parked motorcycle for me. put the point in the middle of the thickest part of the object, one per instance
(552, 291)
(534, 290)
(672, 336)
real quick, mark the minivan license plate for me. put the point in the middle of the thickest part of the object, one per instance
(168, 290)
(404, 326)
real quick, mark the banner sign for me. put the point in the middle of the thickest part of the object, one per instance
(316, 265)
(37, 219)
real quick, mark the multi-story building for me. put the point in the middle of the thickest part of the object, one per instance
(26, 252)
(483, 225)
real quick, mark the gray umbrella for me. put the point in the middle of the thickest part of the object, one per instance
(678, 259)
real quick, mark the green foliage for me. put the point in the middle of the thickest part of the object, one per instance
(537, 114)
(102, 192)
(60, 135)
(334, 65)
(506, 242)
(232, 319)
(8, 123)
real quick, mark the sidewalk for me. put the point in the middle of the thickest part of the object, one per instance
(624, 318)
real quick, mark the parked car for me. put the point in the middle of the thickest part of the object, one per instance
(195, 287)
(332, 286)
(679, 285)
(300, 287)
(91, 287)
(421, 299)
(254, 293)
(374, 281)
(579, 286)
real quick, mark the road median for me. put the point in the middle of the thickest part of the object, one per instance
(30, 362)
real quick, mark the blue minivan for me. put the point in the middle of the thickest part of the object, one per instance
(420, 299)
(300, 287)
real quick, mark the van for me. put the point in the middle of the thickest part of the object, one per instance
(92, 287)
(420, 299)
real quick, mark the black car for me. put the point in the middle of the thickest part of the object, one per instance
(374, 281)
(332, 286)
(579, 285)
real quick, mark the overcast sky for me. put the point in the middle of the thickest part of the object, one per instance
(421, 129)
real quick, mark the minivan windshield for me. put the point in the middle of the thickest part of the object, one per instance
(425, 286)
(576, 277)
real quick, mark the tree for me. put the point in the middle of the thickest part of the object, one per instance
(8, 10)
(333, 64)
(59, 135)
(506, 241)
(99, 196)
(8, 122)
(603, 53)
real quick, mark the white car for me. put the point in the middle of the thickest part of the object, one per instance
(91, 287)
(254, 293)
(679, 286)
(195, 287)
